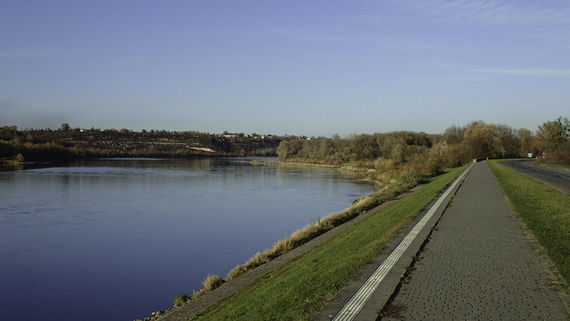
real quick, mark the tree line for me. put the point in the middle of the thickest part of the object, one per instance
(416, 154)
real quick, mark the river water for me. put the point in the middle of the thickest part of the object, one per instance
(116, 239)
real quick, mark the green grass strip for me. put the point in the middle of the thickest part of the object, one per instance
(297, 290)
(562, 166)
(544, 210)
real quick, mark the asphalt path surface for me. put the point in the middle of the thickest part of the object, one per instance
(557, 178)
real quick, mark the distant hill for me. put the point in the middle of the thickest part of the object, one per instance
(66, 143)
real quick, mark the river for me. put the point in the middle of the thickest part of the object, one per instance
(115, 239)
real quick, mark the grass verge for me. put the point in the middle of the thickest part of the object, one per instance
(562, 166)
(545, 211)
(297, 290)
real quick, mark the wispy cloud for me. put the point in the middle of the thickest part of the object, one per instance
(470, 12)
(558, 37)
(346, 36)
(448, 78)
(498, 12)
(311, 34)
(525, 72)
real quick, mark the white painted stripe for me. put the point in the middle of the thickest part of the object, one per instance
(356, 303)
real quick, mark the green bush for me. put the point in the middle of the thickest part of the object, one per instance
(180, 299)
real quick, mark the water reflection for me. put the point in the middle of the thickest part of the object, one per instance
(128, 235)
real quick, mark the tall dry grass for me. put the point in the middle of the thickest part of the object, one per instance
(210, 283)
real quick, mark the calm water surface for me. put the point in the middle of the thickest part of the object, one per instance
(117, 239)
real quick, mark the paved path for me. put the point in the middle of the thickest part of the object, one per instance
(556, 177)
(478, 265)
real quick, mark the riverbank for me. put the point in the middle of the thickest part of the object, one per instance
(367, 236)
(359, 172)
(11, 164)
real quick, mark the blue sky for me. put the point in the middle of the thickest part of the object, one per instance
(283, 67)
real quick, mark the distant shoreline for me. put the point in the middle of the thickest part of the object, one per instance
(40, 145)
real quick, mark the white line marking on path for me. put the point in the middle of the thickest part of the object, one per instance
(356, 303)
